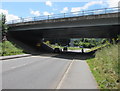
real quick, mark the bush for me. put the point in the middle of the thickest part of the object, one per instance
(105, 67)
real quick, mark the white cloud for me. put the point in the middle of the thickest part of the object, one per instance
(113, 3)
(47, 13)
(48, 3)
(91, 4)
(9, 17)
(75, 9)
(36, 13)
(86, 6)
(3, 11)
(65, 9)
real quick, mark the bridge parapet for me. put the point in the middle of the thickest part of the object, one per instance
(73, 16)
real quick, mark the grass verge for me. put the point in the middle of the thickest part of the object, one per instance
(105, 67)
(70, 48)
(9, 49)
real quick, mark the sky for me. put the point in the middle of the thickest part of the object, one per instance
(15, 9)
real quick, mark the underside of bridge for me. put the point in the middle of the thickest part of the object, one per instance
(63, 35)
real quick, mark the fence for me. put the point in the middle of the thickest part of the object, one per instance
(67, 15)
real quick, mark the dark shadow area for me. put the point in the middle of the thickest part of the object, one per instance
(75, 56)
(69, 55)
(29, 45)
(29, 49)
(64, 55)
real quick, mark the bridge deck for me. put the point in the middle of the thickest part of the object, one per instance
(108, 15)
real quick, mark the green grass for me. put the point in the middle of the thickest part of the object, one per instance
(98, 47)
(9, 49)
(105, 67)
(54, 46)
(70, 48)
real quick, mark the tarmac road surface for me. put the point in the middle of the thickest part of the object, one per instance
(46, 71)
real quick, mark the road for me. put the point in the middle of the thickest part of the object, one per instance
(47, 71)
(79, 51)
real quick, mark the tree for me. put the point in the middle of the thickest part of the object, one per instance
(3, 31)
(3, 26)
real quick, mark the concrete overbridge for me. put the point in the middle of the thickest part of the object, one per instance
(82, 25)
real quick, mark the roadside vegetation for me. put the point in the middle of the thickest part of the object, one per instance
(98, 47)
(7, 48)
(89, 42)
(105, 67)
(61, 47)
(92, 43)
(70, 48)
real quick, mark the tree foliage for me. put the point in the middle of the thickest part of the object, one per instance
(3, 24)
(89, 42)
(3, 27)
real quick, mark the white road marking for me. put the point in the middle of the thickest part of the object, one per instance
(65, 74)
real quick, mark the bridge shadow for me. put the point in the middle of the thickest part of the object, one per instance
(75, 56)
(64, 55)
(69, 55)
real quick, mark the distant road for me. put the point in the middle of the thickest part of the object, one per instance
(46, 72)
(85, 49)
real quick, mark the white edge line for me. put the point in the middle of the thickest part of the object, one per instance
(65, 74)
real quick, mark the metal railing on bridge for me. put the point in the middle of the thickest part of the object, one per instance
(67, 15)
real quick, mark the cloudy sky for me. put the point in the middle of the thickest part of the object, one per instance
(32, 8)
